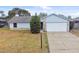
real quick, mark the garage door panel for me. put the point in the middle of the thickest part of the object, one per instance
(56, 27)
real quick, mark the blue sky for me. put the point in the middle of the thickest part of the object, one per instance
(65, 10)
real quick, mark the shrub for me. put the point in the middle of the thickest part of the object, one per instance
(35, 24)
(71, 25)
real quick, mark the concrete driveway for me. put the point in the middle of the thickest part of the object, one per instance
(63, 42)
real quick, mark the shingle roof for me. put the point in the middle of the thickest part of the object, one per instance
(20, 19)
(54, 18)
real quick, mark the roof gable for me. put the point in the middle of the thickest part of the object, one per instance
(54, 18)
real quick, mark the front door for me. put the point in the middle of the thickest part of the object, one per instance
(15, 25)
(41, 25)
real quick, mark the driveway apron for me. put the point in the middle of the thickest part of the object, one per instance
(63, 42)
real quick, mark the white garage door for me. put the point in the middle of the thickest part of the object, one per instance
(57, 27)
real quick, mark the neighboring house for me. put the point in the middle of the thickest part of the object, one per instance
(76, 23)
(53, 23)
(3, 22)
(20, 22)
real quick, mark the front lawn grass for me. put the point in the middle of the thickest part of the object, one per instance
(21, 41)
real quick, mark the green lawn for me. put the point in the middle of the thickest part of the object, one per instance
(21, 41)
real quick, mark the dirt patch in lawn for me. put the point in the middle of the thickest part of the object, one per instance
(19, 41)
(75, 32)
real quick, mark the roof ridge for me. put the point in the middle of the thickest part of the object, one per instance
(56, 16)
(20, 19)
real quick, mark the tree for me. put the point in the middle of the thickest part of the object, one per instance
(20, 12)
(16, 9)
(23, 13)
(11, 14)
(35, 24)
(71, 25)
(2, 14)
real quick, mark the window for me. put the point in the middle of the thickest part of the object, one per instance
(15, 24)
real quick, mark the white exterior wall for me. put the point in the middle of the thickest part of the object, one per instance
(57, 27)
(56, 24)
(20, 26)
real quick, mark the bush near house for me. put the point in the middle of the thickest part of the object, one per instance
(35, 24)
(71, 25)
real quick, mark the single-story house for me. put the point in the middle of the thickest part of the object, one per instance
(53, 23)
(75, 23)
(19, 22)
(3, 22)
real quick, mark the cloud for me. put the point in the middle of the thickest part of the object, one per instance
(75, 14)
(45, 7)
